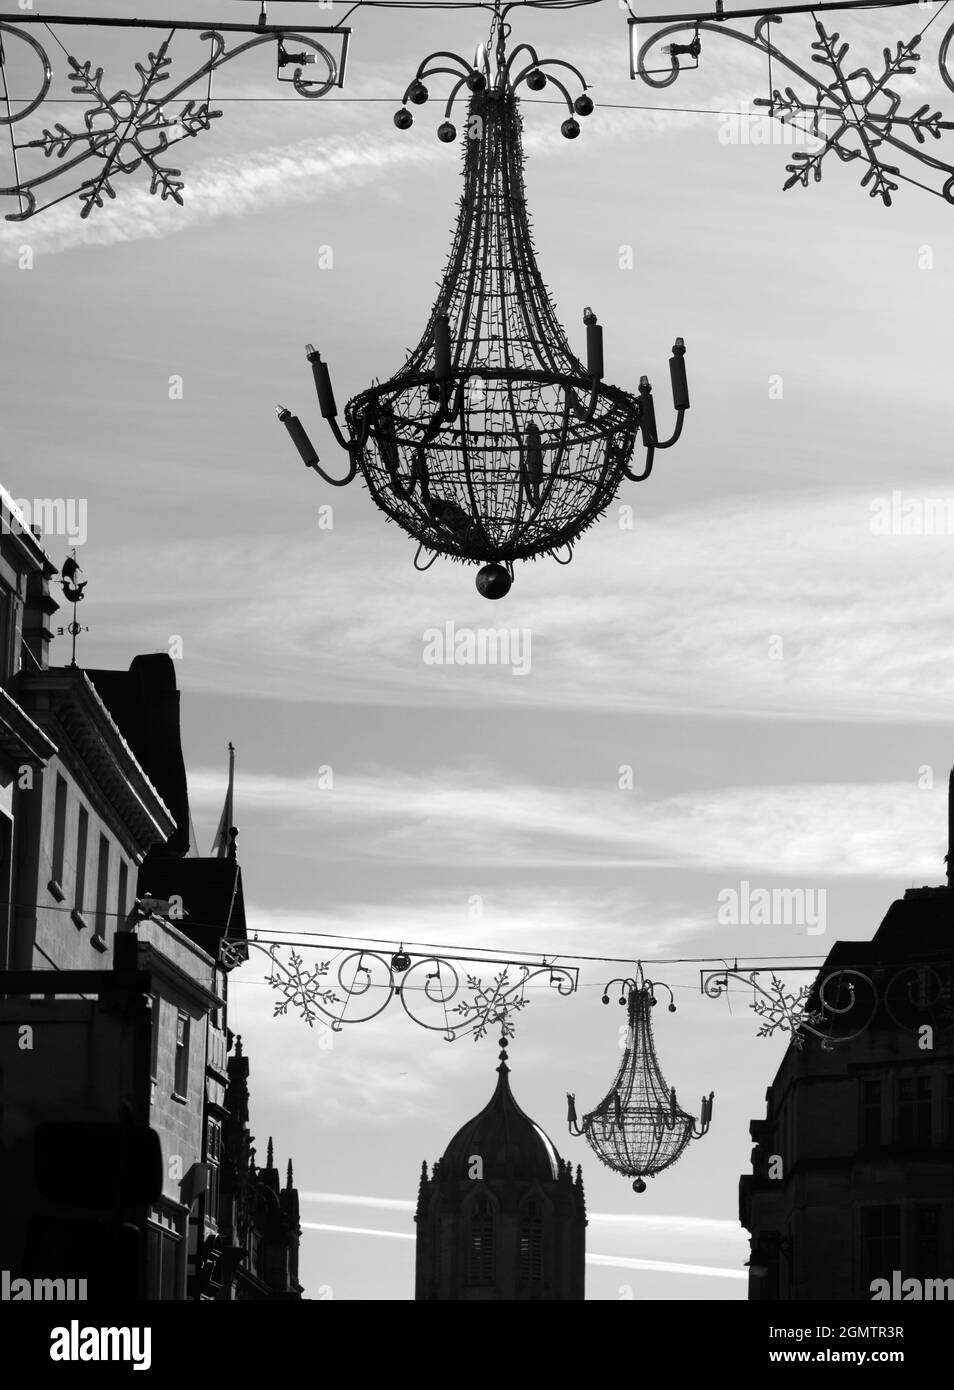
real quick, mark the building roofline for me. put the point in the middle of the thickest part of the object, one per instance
(14, 524)
(136, 799)
(19, 736)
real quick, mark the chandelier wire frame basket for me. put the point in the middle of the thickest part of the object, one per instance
(639, 1128)
(494, 442)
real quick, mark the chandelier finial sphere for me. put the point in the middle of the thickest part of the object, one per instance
(493, 442)
(493, 581)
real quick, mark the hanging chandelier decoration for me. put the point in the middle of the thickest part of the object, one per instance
(494, 443)
(836, 107)
(638, 1129)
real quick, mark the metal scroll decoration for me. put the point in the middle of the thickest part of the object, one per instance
(494, 443)
(852, 113)
(132, 128)
(638, 1128)
(438, 993)
(842, 1004)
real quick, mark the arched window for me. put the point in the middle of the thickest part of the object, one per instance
(480, 1250)
(531, 1245)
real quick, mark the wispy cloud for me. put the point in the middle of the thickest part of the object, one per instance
(784, 605)
(606, 1261)
(468, 815)
(677, 1225)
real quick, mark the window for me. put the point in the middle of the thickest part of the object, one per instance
(102, 886)
(6, 865)
(59, 837)
(213, 1156)
(480, 1255)
(914, 1110)
(881, 1244)
(82, 835)
(122, 894)
(7, 626)
(154, 1041)
(870, 1114)
(162, 1250)
(927, 1242)
(531, 1245)
(182, 1055)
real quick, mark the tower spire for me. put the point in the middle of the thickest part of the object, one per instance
(223, 837)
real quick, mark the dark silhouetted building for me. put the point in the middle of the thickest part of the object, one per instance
(853, 1165)
(101, 877)
(259, 1223)
(501, 1216)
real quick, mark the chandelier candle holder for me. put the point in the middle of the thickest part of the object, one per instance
(639, 1129)
(494, 443)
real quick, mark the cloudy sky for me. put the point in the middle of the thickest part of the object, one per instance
(752, 683)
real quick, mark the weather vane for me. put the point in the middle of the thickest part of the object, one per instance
(73, 586)
(494, 443)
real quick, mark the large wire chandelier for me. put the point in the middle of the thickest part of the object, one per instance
(493, 442)
(638, 1128)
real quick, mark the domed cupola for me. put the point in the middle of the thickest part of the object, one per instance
(509, 1144)
(501, 1215)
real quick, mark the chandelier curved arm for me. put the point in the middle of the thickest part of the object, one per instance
(422, 569)
(627, 985)
(538, 502)
(424, 71)
(573, 1124)
(309, 456)
(641, 477)
(419, 477)
(329, 413)
(659, 984)
(521, 48)
(417, 94)
(449, 106)
(551, 80)
(680, 401)
(674, 437)
(705, 1119)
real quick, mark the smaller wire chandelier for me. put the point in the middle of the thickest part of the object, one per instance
(638, 1129)
(493, 442)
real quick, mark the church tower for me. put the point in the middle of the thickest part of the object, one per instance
(501, 1216)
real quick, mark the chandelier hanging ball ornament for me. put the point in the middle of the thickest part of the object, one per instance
(494, 443)
(638, 1128)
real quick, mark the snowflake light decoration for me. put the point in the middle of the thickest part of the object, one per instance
(492, 1005)
(299, 987)
(852, 113)
(364, 982)
(131, 128)
(784, 1010)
